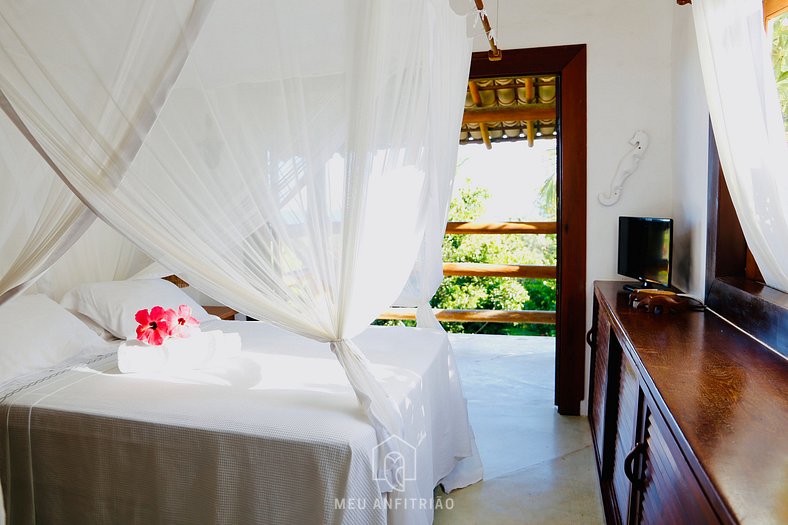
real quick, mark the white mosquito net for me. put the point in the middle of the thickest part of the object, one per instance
(285, 158)
(103, 73)
(41, 218)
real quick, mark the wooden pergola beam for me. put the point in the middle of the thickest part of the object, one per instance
(773, 8)
(495, 87)
(508, 114)
(530, 97)
(477, 99)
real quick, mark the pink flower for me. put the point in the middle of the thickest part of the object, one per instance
(154, 325)
(182, 322)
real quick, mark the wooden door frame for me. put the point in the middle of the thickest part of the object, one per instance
(569, 63)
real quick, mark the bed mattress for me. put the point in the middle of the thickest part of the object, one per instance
(275, 436)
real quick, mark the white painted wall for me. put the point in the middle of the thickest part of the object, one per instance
(636, 68)
(690, 157)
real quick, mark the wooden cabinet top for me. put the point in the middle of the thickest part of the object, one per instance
(724, 395)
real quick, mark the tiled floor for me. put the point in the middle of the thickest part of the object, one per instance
(539, 466)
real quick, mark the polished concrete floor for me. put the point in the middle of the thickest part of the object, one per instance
(539, 466)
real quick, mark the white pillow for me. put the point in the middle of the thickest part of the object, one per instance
(95, 327)
(113, 304)
(38, 333)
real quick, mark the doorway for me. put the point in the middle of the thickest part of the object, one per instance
(568, 65)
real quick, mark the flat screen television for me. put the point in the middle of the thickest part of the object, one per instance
(645, 250)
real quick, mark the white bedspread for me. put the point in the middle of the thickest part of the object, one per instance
(273, 437)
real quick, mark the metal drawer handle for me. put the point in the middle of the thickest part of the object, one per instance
(629, 460)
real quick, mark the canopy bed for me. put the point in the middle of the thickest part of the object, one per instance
(272, 436)
(292, 161)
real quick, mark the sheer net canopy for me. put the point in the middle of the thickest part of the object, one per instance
(88, 80)
(41, 218)
(283, 157)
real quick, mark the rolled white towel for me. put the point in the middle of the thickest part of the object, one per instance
(201, 350)
(136, 356)
(225, 344)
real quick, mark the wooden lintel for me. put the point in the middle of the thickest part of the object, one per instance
(526, 271)
(492, 228)
(508, 114)
(478, 316)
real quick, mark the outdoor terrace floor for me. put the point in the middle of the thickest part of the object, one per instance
(539, 466)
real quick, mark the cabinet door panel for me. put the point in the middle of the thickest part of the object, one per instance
(656, 502)
(671, 493)
(628, 393)
(599, 388)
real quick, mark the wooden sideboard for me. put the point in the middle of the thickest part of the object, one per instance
(689, 417)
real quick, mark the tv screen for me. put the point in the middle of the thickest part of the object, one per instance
(645, 248)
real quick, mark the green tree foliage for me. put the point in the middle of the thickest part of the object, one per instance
(548, 193)
(494, 293)
(780, 61)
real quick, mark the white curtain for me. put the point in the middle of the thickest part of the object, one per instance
(748, 125)
(288, 172)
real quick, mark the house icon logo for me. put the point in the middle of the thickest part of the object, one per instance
(398, 463)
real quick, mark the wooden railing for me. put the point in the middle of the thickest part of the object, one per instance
(492, 228)
(476, 316)
(479, 270)
(529, 271)
(490, 270)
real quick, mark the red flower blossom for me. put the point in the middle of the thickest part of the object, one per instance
(155, 325)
